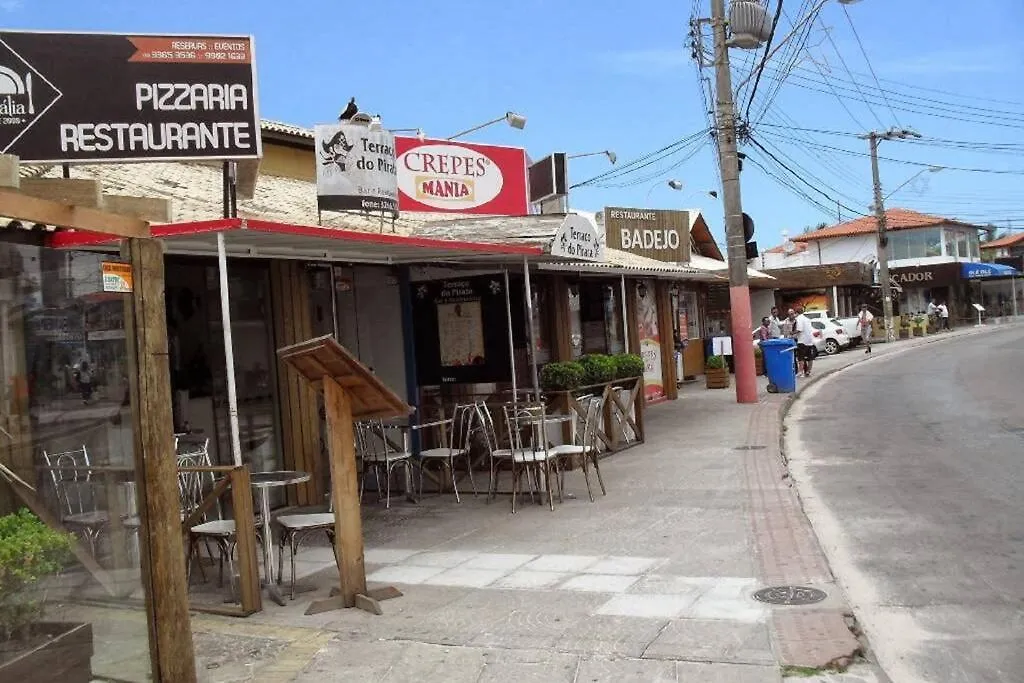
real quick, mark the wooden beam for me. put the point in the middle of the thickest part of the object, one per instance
(152, 209)
(83, 192)
(48, 212)
(162, 551)
(668, 346)
(245, 536)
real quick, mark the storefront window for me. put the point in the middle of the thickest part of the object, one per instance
(932, 241)
(974, 246)
(962, 250)
(613, 327)
(910, 244)
(66, 450)
(949, 239)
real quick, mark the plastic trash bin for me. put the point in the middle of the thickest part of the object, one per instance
(779, 366)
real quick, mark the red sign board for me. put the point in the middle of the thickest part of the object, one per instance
(448, 176)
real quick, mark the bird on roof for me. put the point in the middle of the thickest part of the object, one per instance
(350, 110)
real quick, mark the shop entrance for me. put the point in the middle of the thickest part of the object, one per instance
(198, 368)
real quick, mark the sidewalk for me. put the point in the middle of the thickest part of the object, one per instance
(652, 582)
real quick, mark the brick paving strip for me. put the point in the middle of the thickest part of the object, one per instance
(786, 548)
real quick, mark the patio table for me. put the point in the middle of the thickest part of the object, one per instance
(262, 482)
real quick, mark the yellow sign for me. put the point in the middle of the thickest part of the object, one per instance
(117, 277)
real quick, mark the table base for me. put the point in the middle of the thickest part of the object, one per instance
(368, 602)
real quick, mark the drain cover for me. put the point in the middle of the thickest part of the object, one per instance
(790, 595)
(749, 448)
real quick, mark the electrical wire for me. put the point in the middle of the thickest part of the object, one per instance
(799, 177)
(864, 52)
(764, 58)
(643, 161)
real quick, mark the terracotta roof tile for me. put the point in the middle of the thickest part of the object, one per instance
(1007, 241)
(781, 249)
(896, 219)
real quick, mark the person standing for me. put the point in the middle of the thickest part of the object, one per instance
(944, 315)
(85, 381)
(803, 331)
(774, 324)
(764, 331)
(864, 324)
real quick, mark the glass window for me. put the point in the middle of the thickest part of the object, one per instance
(950, 242)
(575, 323)
(613, 326)
(898, 245)
(932, 241)
(973, 245)
(962, 250)
(916, 244)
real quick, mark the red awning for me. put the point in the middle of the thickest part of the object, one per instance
(253, 238)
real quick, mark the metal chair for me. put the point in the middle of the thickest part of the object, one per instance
(529, 449)
(496, 452)
(295, 528)
(376, 452)
(75, 489)
(584, 444)
(455, 436)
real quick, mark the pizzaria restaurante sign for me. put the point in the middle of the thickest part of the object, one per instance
(87, 97)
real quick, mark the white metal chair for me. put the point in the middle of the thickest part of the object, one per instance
(295, 528)
(529, 449)
(455, 437)
(75, 489)
(584, 445)
(377, 453)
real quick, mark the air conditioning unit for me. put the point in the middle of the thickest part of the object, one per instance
(749, 23)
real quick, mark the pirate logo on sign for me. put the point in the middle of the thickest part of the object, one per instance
(25, 95)
(335, 151)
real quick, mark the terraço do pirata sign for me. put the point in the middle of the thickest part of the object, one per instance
(169, 136)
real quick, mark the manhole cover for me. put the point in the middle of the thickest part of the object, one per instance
(790, 595)
(749, 448)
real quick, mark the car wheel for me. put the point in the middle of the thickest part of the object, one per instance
(831, 347)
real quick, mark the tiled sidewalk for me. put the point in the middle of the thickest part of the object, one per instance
(652, 582)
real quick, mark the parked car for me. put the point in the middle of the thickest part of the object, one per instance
(832, 335)
(849, 325)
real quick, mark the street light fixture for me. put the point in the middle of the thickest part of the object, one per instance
(930, 169)
(517, 121)
(612, 156)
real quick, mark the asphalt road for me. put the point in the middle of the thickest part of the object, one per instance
(911, 468)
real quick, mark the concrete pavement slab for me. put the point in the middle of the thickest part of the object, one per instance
(712, 641)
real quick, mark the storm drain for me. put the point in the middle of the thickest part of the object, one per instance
(749, 448)
(790, 595)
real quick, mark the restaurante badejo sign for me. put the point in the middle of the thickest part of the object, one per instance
(663, 235)
(89, 97)
(444, 176)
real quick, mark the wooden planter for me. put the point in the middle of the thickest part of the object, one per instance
(622, 426)
(918, 331)
(904, 333)
(65, 658)
(716, 378)
(759, 365)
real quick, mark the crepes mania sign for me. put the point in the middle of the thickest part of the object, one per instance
(87, 97)
(444, 176)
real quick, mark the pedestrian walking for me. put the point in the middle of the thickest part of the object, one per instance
(864, 324)
(85, 381)
(944, 315)
(803, 331)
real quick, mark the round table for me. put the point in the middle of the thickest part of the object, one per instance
(263, 482)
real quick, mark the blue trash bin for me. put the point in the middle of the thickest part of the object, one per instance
(779, 366)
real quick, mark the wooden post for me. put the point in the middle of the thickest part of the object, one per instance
(668, 346)
(341, 442)
(161, 549)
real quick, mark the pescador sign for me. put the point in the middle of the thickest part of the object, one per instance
(443, 176)
(660, 234)
(89, 97)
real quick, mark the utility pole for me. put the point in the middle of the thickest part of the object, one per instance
(739, 290)
(874, 137)
(883, 241)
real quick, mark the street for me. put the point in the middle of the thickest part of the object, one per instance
(910, 470)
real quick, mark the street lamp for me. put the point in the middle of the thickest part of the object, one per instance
(517, 121)
(875, 137)
(930, 169)
(678, 185)
(612, 156)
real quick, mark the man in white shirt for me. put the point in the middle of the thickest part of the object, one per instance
(803, 332)
(864, 323)
(944, 315)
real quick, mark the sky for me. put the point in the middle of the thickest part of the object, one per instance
(607, 75)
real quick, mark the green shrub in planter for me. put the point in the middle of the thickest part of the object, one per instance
(598, 368)
(758, 351)
(561, 376)
(715, 363)
(628, 365)
(29, 552)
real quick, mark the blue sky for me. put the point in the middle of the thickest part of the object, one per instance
(605, 74)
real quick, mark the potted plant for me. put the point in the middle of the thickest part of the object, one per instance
(561, 376)
(628, 366)
(919, 326)
(716, 373)
(758, 360)
(33, 650)
(598, 369)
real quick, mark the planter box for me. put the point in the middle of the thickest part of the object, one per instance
(65, 658)
(759, 365)
(918, 331)
(616, 431)
(716, 378)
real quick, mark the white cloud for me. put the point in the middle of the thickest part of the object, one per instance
(655, 61)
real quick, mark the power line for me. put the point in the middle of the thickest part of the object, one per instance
(764, 57)
(802, 179)
(864, 52)
(643, 161)
(842, 61)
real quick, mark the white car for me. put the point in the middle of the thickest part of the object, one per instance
(851, 325)
(832, 336)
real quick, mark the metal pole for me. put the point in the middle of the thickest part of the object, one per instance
(229, 351)
(1013, 294)
(533, 332)
(739, 291)
(883, 241)
(625, 316)
(511, 341)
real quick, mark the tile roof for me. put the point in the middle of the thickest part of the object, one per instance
(286, 129)
(896, 219)
(1011, 240)
(781, 249)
